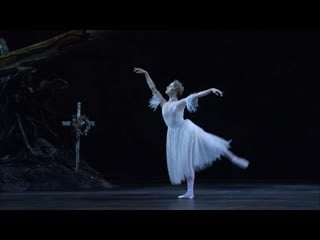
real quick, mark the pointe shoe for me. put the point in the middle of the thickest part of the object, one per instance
(241, 162)
(186, 196)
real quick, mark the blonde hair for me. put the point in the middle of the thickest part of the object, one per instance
(179, 87)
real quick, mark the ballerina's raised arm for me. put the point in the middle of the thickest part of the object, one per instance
(157, 97)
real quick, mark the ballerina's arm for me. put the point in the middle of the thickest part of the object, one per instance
(191, 102)
(157, 98)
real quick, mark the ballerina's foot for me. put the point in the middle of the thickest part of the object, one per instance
(241, 162)
(186, 196)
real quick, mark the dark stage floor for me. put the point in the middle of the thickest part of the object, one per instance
(164, 197)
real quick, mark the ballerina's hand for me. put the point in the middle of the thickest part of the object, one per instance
(139, 70)
(217, 92)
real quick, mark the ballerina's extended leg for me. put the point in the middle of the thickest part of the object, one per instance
(240, 162)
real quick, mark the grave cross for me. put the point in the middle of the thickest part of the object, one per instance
(81, 126)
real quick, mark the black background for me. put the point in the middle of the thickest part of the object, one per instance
(269, 109)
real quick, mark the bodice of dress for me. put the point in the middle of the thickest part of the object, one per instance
(172, 114)
(173, 111)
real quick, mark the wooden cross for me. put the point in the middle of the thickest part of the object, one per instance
(82, 126)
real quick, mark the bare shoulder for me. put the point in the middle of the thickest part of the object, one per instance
(163, 102)
(181, 103)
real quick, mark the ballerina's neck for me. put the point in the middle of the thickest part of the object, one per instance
(172, 99)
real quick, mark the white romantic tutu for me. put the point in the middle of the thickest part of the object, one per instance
(189, 148)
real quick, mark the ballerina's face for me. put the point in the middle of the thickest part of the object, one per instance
(171, 89)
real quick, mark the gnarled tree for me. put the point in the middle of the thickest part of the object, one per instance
(24, 128)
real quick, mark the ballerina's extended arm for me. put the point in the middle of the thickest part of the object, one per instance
(207, 92)
(192, 100)
(151, 85)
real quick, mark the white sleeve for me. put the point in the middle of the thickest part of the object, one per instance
(192, 103)
(154, 101)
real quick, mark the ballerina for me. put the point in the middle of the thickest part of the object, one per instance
(189, 148)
